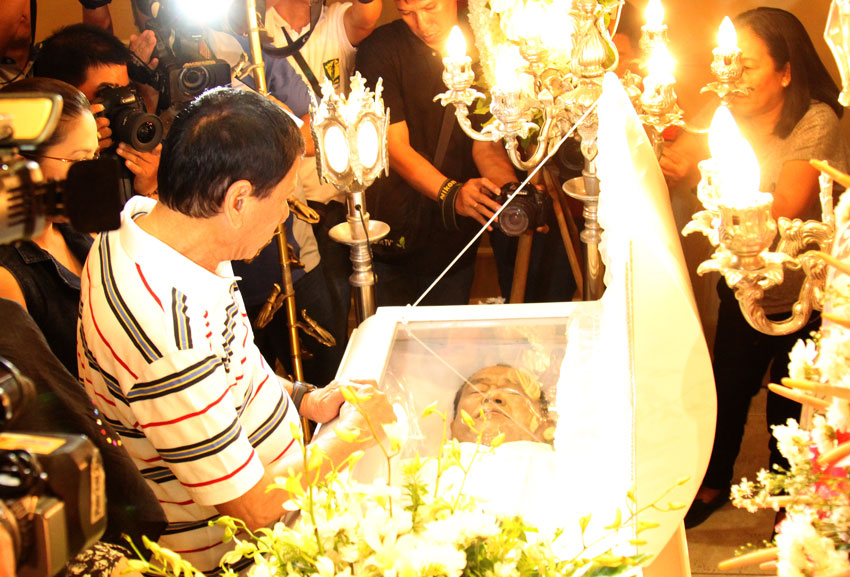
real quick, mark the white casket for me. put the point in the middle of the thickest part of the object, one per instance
(628, 377)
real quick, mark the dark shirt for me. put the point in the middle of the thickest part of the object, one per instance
(412, 76)
(51, 291)
(62, 406)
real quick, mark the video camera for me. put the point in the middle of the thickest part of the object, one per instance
(52, 487)
(183, 73)
(91, 197)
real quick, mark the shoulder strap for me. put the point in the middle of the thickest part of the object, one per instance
(305, 68)
(445, 134)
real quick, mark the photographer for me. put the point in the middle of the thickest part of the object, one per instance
(43, 274)
(431, 204)
(93, 60)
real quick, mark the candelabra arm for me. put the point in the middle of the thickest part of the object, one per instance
(462, 115)
(512, 147)
(749, 295)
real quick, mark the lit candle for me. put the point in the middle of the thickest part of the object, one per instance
(531, 20)
(660, 68)
(456, 45)
(727, 37)
(654, 15)
(506, 103)
(508, 64)
(654, 32)
(658, 96)
(737, 169)
(726, 65)
(457, 66)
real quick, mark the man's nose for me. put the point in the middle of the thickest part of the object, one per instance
(495, 397)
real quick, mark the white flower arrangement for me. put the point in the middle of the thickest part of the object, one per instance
(421, 529)
(814, 538)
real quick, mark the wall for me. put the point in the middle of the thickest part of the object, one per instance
(692, 29)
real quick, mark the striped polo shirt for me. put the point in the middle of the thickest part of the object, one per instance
(166, 351)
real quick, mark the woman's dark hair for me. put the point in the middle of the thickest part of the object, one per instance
(788, 42)
(74, 103)
(223, 136)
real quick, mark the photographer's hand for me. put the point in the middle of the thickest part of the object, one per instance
(475, 200)
(144, 165)
(104, 132)
(143, 45)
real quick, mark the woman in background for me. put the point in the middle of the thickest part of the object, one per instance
(43, 274)
(790, 114)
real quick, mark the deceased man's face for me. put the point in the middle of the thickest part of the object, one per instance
(501, 400)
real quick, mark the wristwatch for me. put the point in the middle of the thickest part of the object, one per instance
(300, 389)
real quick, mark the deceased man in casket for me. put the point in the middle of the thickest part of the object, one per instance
(519, 476)
(502, 399)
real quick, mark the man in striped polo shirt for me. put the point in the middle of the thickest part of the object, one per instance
(165, 348)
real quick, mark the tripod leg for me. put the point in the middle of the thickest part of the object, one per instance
(560, 208)
(523, 256)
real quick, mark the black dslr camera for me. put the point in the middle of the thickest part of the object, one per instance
(128, 118)
(52, 487)
(187, 81)
(183, 73)
(527, 210)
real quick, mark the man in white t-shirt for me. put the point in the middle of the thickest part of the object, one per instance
(329, 54)
(165, 346)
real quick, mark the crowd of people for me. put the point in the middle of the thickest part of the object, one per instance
(149, 327)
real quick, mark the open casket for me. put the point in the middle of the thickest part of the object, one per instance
(628, 378)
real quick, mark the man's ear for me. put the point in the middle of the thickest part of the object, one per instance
(236, 201)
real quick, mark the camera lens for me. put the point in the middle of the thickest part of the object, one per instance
(194, 80)
(514, 220)
(146, 132)
(140, 130)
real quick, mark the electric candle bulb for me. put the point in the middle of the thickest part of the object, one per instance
(727, 38)
(735, 162)
(456, 45)
(661, 65)
(532, 18)
(722, 129)
(654, 15)
(508, 64)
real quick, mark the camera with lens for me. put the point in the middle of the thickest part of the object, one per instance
(526, 210)
(129, 120)
(183, 73)
(187, 81)
(90, 197)
(52, 487)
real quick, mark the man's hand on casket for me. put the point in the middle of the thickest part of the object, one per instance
(371, 402)
(322, 405)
